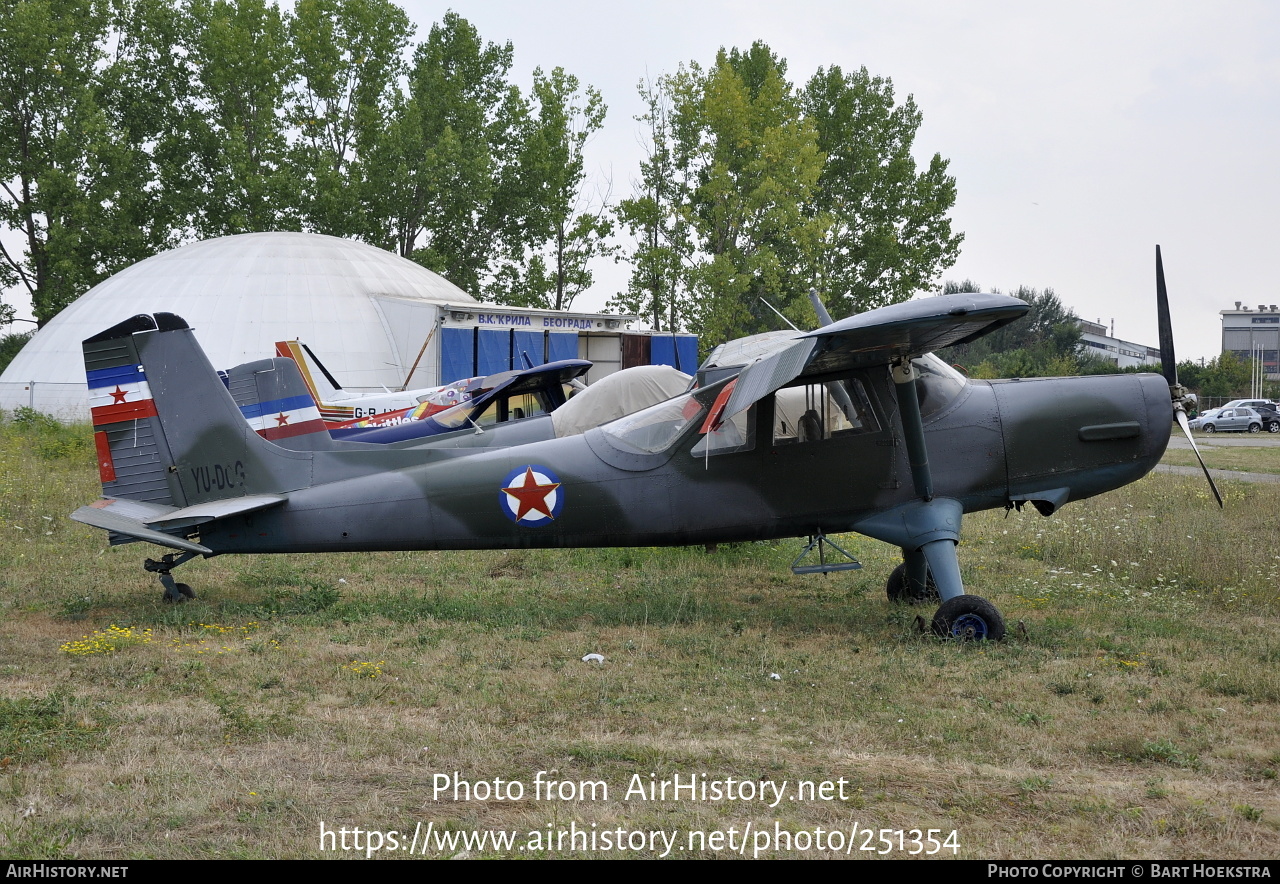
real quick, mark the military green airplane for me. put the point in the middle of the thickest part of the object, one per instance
(853, 427)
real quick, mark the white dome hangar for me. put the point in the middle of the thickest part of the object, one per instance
(358, 307)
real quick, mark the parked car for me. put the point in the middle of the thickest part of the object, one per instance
(1250, 403)
(1270, 417)
(1198, 422)
(1242, 420)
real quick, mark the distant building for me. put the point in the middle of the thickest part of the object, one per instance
(1253, 334)
(1097, 340)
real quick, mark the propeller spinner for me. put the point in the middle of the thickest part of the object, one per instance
(1169, 368)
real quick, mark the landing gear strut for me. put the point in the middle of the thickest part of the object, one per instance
(900, 587)
(927, 530)
(173, 591)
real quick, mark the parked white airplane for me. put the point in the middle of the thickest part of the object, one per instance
(338, 405)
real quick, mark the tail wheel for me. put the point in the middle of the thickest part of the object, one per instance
(897, 587)
(968, 618)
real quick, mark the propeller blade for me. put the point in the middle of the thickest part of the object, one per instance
(1186, 429)
(1168, 362)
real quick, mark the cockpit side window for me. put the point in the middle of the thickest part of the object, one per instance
(721, 436)
(813, 412)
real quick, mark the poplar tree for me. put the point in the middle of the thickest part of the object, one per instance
(752, 193)
(344, 92)
(565, 226)
(452, 150)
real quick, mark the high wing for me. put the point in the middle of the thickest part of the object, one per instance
(877, 337)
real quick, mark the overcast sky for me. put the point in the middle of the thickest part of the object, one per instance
(1079, 135)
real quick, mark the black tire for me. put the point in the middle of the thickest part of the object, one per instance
(1210, 428)
(184, 592)
(897, 590)
(1273, 427)
(1255, 428)
(968, 618)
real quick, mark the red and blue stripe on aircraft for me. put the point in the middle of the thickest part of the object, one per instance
(284, 418)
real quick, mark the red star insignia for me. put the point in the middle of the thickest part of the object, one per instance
(282, 419)
(531, 496)
(118, 395)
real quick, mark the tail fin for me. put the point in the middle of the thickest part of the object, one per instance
(168, 430)
(275, 400)
(133, 454)
(324, 388)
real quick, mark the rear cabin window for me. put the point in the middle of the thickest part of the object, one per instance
(813, 412)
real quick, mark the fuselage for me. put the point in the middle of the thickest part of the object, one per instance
(674, 478)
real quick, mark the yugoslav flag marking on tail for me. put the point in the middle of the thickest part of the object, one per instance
(106, 465)
(284, 418)
(119, 394)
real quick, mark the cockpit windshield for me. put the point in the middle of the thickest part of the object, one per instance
(938, 386)
(653, 429)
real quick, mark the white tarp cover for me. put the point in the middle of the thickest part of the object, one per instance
(617, 395)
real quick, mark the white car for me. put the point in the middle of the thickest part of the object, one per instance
(1249, 403)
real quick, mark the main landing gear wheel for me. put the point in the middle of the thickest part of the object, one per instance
(898, 590)
(968, 618)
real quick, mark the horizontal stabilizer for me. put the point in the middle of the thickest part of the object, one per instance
(150, 521)
(122, 517)
(212, 510)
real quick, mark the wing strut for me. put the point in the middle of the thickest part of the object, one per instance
(904, 379)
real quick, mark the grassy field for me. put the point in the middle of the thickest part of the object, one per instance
(1131, 713)
(1262, 459)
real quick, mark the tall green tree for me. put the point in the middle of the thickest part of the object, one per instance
(90, 173)
(242, 62)
(454, 147)
(564, 225)
(756, 163)
(755, 193)
(888, 234)
(145, 88)
(655, 217)
(55, 148)
(732, 228)
(345, 87)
